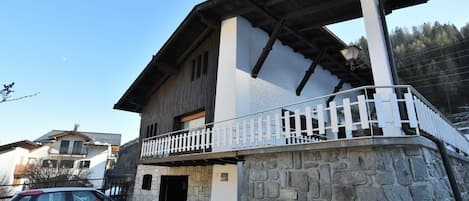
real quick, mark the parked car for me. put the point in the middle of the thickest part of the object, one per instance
(61, 194)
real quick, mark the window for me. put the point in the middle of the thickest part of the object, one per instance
(146, 183)
(77, 147)
(64, 144)
(199, 66)
(151, 130)
(51, 196)
(84, 164)
(193, 121)
(49, 163)
(84, 196)
(66, 163)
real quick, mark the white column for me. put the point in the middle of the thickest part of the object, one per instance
(380, 65)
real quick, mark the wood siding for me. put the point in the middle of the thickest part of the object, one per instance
(179, 95)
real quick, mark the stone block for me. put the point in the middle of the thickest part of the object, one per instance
(313, 174)
(369, 193)
(310, 164)
(297, 160)
(259, 190)
(412, 151)
(313, 190)
(258, 175)
(363, 160)
(270, 164)
(397, 193)
(330, 156)
(325, 189)
(285, 160)
(349, 178)
(288, 194)
(402, 171)
(384, 178)
(299, 180)
(272, 189)
(273, 174)
(339, 166)
(419, 169)
(422, 192)
(311, 156)
(344, 192)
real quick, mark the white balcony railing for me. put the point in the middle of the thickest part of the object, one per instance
(351, 114)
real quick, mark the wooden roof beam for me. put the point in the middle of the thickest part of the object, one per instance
(336, 89)
(301, 38)
(308, 10)
(309, 72)
(268, 47)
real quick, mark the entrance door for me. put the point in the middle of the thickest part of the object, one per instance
(173, 188)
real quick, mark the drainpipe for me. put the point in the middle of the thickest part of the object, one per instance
(447, 163)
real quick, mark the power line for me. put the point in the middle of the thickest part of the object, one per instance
(435, 48)
(448, 75)
(436, 58)
(415, 65)
(446, 83)
(428, 74)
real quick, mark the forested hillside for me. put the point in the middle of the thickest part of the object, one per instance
(434, 58)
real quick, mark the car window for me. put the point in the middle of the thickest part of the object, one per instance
(84, 196)
(22, 198)
(56, 196)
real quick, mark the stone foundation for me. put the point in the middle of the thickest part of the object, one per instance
(200, 178)
(397, 172)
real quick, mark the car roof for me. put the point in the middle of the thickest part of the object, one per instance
(60, 189)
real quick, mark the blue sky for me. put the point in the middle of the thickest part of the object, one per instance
(82, 56)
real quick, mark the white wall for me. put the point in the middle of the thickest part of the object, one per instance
(9, 159)
(98, 157)
(224, 190)
(238, 93)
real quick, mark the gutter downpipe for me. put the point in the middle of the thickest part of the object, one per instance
(440, 144)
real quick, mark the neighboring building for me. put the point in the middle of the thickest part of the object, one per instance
(76, 150)
(241, 104)
(14, 157)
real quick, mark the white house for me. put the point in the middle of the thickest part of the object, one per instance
(252, 100)
(89, 152)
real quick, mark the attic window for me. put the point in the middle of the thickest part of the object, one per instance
(64, 144)
(146, 183)
(199, 66)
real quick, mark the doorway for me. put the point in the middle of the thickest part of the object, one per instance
(173, 188)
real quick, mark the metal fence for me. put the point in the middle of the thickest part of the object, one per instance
(118, 188)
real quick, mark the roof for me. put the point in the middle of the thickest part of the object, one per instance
(304, 31)
(96, 138)
(23, 144)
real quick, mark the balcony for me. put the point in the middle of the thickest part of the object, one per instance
(361, 112)
(19, 170)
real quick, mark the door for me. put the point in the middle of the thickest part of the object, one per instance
(173, 188)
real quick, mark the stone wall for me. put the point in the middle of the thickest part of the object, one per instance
(200, 178)
(368, 173)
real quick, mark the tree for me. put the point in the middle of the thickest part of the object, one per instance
(434, 58)
(44, 177)
(8, 90)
